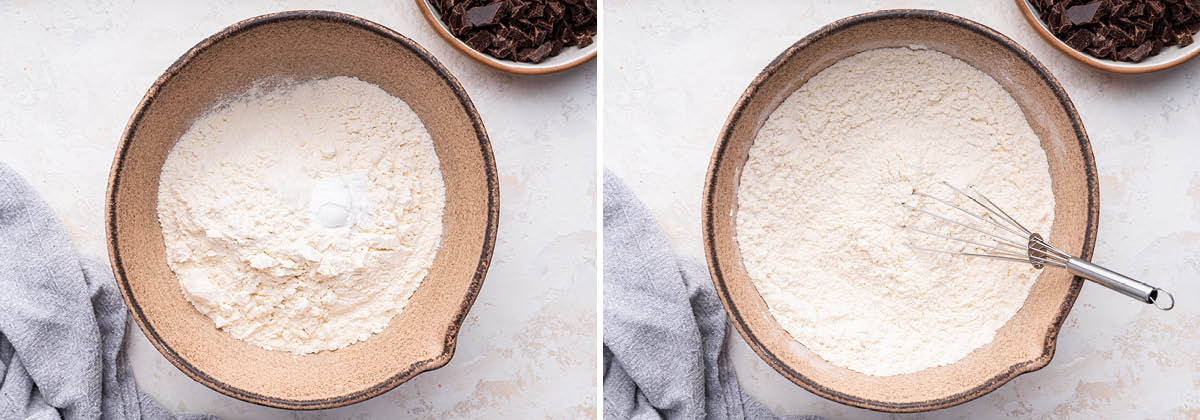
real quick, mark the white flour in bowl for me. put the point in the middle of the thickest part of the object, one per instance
(818, 209)
(300, 217)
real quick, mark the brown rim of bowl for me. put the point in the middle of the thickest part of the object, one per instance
(485, 257)
(489, 61)
(1036, 22)
(714, 265)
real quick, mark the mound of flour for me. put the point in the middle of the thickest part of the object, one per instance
(818, 209)
(301, 217)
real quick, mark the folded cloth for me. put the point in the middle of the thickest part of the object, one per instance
(664, 328)
(62, 322)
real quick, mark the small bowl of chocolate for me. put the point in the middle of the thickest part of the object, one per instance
(517, 36)
(1122, 36)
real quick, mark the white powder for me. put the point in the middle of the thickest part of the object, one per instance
(301, 217)
(818, 209)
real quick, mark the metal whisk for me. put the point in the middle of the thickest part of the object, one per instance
(1011, 241)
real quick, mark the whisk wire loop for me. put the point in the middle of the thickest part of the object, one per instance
(1025, 246)
(991, 207)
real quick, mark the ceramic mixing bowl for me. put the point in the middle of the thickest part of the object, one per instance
(1026, 342)
(304, 45)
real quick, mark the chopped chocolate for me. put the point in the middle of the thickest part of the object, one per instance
(1137, 10)
(1083, 14)
(484, 15)
(458, 21)
(1139, 34)
(540, 53)
(480, 40)
(556, 9)
(505, 50)
(520, 30)
(1184, 40)
(1156, 7)
(1141, 52)
(1193, 6)
(1080, 39)
(1104, 49)
(1117, 34)
(1122, 30)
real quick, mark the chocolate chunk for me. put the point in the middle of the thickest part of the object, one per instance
(1083, 14)
(1124, 30)
(1155, 7)
(1193, 27)
(1165, 36)
(539, 35)
(1184, 40)
(484, 15)
(1193, 6)
(583, 40)
(1139, 34)
(1140, 53)
(1118, 34)
(1136, 10)
(540, 53)
(1040, 6)
(519, 36)
(520, 30)
(1080, 39)
(1117, 7)
(458, 21)
(556, 9)
(518, 8)
(1058, 23)
(1123, 54)
(1156, 47)
(480, 41)
(1102, 51)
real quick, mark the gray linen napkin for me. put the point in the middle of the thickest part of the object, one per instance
(664, 327)
(62, 322)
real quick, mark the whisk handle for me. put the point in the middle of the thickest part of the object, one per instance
(1121, 283)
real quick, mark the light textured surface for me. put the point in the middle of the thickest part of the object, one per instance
(73, 74)
(840, 154)
(670, 84)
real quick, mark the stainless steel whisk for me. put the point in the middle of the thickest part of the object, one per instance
(1011, 241)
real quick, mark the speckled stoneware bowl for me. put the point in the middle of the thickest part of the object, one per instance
(1026, 342)
(304, 45)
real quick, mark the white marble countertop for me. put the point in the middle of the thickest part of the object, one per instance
(73, 73)
(671, 81)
